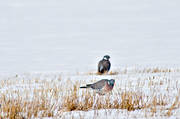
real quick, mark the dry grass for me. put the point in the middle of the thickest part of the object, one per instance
(106, 73)
(175, 105)
(40, 106)
(136, 70)
(51, 98)
(21, 108)
(127, 100)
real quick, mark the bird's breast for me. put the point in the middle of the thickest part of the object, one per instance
(107, 88)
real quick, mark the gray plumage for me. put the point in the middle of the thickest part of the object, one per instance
(103, 86)
(97, 85)
(104, 65)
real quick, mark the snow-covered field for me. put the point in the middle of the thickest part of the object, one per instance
(138, 93)
(48, 48)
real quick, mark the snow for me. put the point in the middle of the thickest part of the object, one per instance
(54, 42)
(32, 86)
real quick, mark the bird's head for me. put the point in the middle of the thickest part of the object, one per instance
(106, 57)
(111, 82)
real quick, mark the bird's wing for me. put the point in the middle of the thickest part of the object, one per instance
(100, 84)
(100, 66)
(107, 64)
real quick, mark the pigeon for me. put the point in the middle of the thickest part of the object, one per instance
(102, 87)
(104, 65)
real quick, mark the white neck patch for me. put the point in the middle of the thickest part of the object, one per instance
(105, 58)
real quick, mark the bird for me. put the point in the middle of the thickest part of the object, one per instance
(104, 65)
(102, 86)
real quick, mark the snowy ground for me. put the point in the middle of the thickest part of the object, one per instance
(145, 93)
(49, 46)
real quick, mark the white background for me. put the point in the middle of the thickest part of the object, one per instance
(73, 35)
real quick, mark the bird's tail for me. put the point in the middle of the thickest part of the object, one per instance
(87, 86)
